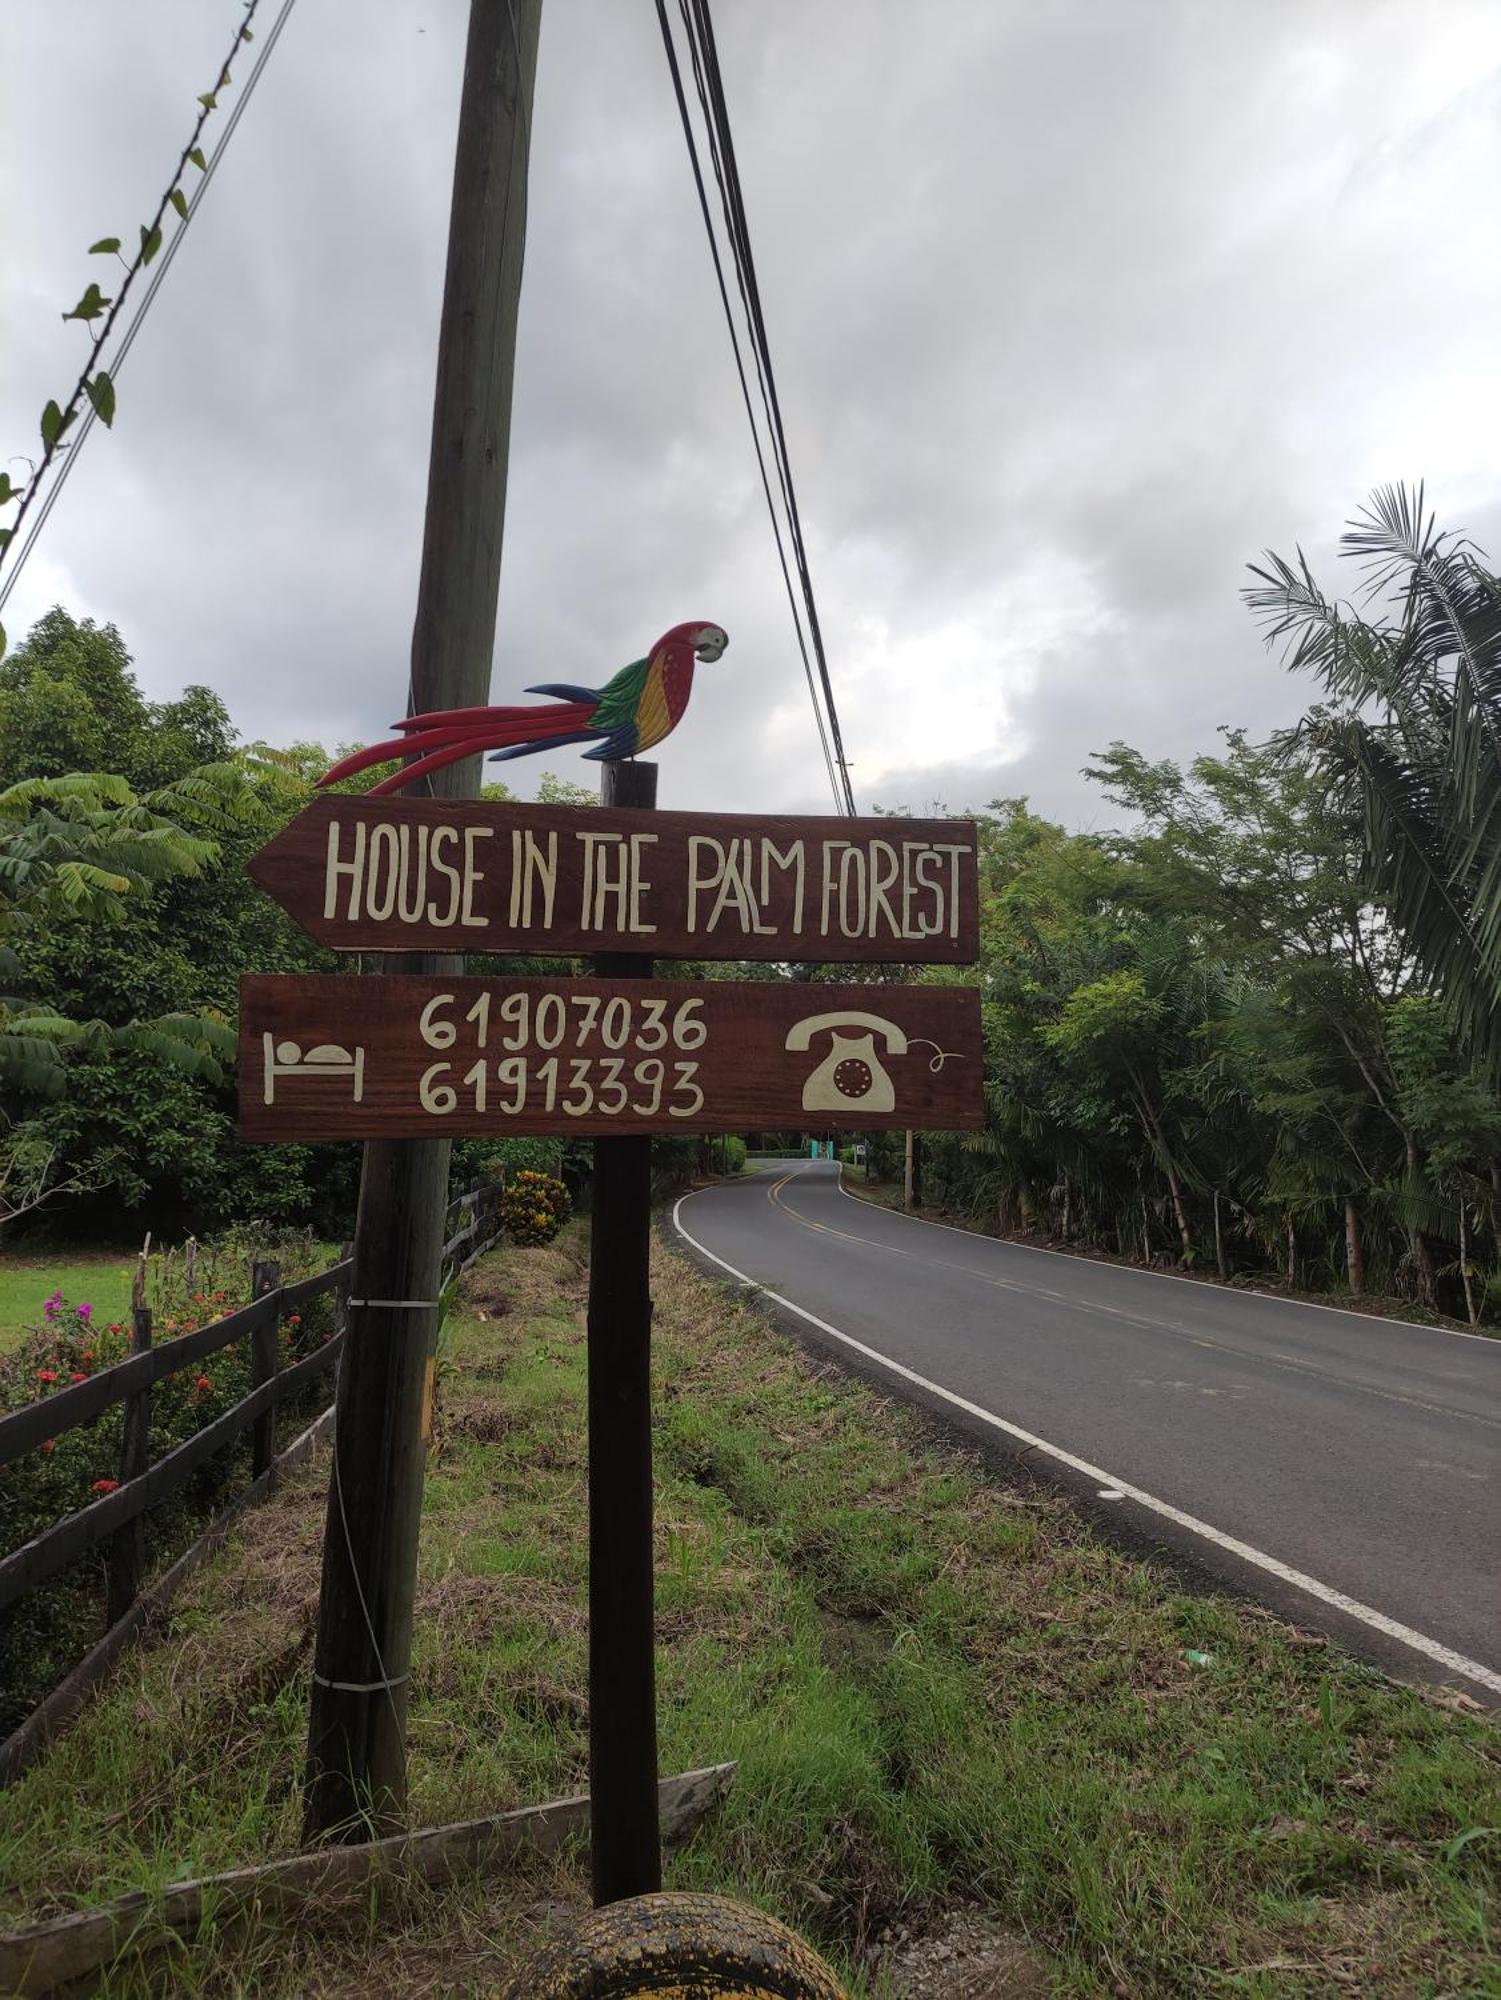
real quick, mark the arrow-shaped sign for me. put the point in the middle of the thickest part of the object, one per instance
(420, 875)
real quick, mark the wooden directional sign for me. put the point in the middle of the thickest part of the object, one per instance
(396, 874)
(329, 1057)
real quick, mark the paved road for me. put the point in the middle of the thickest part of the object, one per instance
(1340, 1467)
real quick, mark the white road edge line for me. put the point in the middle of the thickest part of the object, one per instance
(1378, 1621)
(1173, 1277)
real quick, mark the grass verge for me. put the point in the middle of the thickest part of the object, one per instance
(944, 1696)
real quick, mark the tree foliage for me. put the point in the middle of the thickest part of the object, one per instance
(1415, 738)
(1205, 1046)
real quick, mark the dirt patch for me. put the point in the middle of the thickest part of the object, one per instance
(487, 1300)
(484, 1419)
(967, 1956)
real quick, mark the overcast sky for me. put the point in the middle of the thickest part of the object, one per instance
(1076, 305)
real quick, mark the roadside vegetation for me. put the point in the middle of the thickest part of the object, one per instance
(66, 1339)
(1257, 1031)
(1254, 1032)
(950, 1706)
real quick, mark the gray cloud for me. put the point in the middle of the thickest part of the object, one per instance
(1074, 309)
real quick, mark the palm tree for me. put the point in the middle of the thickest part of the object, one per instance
(1416, 738)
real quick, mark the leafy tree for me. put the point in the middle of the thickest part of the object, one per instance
(75, 849)
(69, 701)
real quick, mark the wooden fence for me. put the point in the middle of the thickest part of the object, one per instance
(118, 1518)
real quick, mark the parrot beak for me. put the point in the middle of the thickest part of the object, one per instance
(709, 642)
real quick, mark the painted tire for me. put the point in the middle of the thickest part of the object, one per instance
(677, 1947)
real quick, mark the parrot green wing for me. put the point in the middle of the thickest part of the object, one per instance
(620, 697)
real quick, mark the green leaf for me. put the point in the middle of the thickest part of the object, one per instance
(105, 247)
(195, 154)
(151, 242)
(7, 491)
(102, 395)
(2, 642)
(180, 202)
(52, 425)
(1471, 1834)
(246, 35)
(209, 100)
(5, 535)
(90, 306)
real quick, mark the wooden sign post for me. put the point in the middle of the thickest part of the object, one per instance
(615, 1056)
(625, 1848)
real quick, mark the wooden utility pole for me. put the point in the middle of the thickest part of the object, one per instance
(356, 1770)
(625, 1847)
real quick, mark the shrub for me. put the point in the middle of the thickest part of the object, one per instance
(733, 1153)
(534, 1207)
(52, 1624)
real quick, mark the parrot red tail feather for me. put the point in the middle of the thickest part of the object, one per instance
(633, 710)
(445, 737)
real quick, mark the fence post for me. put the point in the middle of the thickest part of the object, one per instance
(265, 1277)
(127, 1550)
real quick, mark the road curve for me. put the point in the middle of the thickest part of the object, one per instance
(1341, 1467)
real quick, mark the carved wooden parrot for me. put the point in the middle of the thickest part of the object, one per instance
(638, 707)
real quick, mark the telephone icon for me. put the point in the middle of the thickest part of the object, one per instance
(851, 1076)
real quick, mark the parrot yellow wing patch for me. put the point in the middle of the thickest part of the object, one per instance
(653, 718)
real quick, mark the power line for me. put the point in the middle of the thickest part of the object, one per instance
(700, 36)
(133, 326)
(734, 203)
(703, 201)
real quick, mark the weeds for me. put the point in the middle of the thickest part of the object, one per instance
(949, 1705)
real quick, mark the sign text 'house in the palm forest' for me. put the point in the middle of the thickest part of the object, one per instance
(408, 874)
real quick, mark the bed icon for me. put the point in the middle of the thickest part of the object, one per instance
(288, 1059)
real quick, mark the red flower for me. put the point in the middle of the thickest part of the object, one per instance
(294, 1319)
(203, 1383)
(88, 1352)
(105, 1486)
(46, 1374)
(78, 1375)
(49, 1444)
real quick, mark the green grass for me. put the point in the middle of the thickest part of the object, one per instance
(25, 1281)
(941, 1694)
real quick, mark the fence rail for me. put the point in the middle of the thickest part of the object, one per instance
(144, 1485)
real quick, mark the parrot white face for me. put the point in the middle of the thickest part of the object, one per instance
(709, 641)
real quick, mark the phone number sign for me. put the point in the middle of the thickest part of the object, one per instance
(405, 1057)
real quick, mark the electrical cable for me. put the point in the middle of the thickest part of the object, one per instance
(699, 29)
(133, 325)
(735, 215)
(842, 797)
